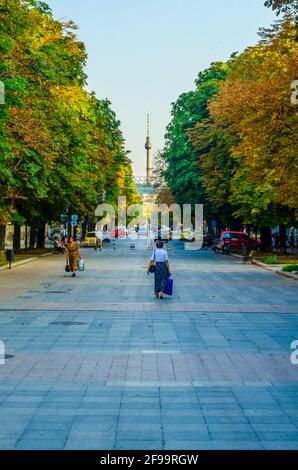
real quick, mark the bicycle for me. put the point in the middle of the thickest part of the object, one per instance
(248, 258)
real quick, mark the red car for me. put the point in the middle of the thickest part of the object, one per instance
(119, 232)
(239, 239)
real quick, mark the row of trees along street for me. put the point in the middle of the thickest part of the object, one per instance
(60, 146)
(232, 143)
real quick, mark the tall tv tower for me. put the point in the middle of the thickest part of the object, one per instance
(148, 147)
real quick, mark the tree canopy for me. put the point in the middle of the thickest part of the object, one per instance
(283, 6)
(182, 170)
(60, 146)
(232, 142)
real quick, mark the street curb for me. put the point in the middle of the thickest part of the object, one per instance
(279, 273)
(24, 261)
(288, 275)
(265, 266)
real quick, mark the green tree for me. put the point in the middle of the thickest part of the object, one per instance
(183, 173)
(283, 6)
(60, 146)
(252, 115)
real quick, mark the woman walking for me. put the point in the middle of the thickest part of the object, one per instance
(162, 272)
(73, 254)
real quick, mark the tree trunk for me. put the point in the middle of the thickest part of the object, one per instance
(2, 237)
(69, 230)
(40, 237)
(266, 239)
(32, 238)
(17, 237)
(2, 243)
(26, 237)
(84, 230)
(283, 239)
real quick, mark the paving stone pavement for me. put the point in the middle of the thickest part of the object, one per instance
(98, 363)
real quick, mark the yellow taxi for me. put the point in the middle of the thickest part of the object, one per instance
(187, 235)
(91, 240)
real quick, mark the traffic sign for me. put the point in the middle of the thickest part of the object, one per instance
(74, 218)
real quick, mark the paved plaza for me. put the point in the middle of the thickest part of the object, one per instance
(98, 362)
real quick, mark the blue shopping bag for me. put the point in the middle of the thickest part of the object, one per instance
(169, 290)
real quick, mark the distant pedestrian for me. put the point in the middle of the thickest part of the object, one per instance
(64, 240)
(137, 230)
(162, 271)
(98, 244)
(58, 247)
(244, 249)
(73, 254)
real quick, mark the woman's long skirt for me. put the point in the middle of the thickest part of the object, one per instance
(73, 262)
(161, 277)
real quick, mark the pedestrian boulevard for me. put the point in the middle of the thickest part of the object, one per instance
(97, 362)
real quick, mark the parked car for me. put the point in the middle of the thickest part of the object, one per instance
(238, 240)
(143, 231)
(187, 235)
(106, 238)
(162, 232)
(119, 232)
(91, 239)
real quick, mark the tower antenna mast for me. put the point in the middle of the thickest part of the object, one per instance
(148, 147)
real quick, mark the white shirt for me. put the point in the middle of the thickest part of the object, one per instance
(159, 255)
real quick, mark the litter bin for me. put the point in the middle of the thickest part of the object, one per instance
(10, 256)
